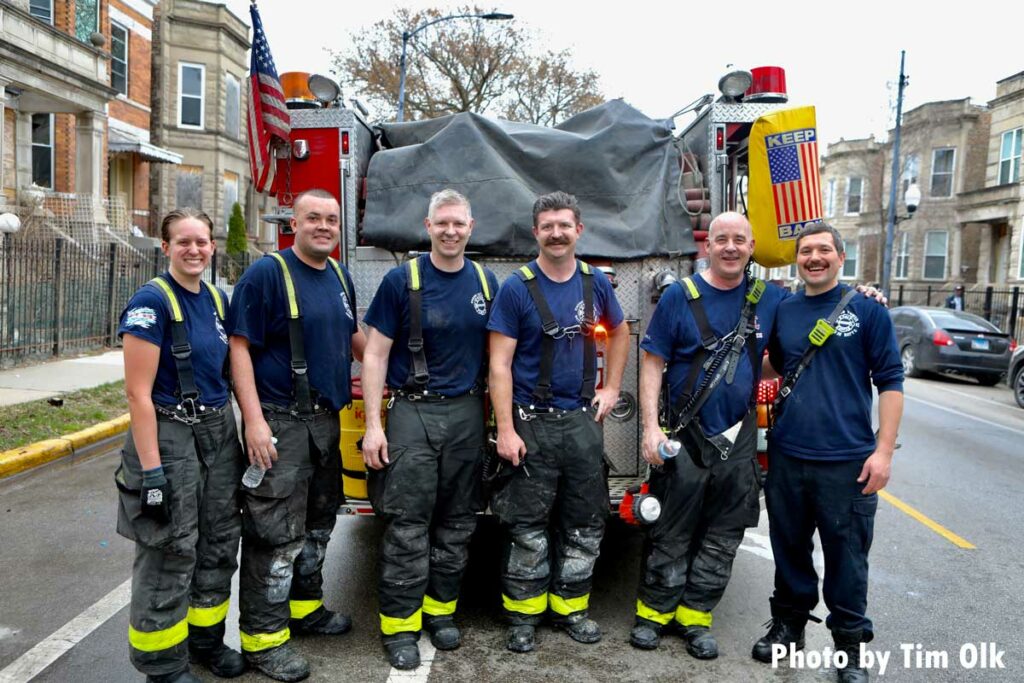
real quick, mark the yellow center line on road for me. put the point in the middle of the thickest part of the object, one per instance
(928, 522)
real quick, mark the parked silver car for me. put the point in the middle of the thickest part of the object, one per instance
(943, 340)
(1015, 375)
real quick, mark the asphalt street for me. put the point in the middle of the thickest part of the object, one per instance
(945, 574)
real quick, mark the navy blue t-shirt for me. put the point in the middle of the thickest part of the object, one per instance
(514, 315)
(454, 320)
(148, 317)
(259, 312)
(828, 415)
(673, 335)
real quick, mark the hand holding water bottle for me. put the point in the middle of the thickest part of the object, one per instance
(253, 476)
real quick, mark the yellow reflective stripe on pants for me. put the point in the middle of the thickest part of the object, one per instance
(264, 641)
(567, 606)
(645, 612)
(303, 608)
(692, 617)
(208, 616)
(155, 641)
(389, 626)
(531, 606)
(435, 608)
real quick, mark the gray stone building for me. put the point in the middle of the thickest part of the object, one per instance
(199, 78)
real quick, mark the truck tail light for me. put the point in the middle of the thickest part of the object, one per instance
(1013, 344)
(942, 338)
(344, 142)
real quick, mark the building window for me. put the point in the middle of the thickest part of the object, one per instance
(911, 167)
(902, 256)
(189, 187)
(119, 58)
(42, 150)
(854, 192)
(87, 19)
(41, 9)
(232, 106)
(191, 86)
(850, 264)
(230, 196)
(942, 172)
(1009, 157)
(830, 198)
(935, 243)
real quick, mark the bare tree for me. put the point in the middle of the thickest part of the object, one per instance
(547, 90)
(461, 65)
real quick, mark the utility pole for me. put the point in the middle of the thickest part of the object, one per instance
(890, 226)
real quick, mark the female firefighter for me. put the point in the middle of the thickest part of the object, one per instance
(181, 463)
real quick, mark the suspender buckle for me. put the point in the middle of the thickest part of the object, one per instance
(415, 345)
(821, 332)
(551, 328)
(299, 367)
(181, 351)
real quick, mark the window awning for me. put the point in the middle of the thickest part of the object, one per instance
(123, 141)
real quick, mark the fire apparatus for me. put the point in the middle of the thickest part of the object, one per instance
(331, 147)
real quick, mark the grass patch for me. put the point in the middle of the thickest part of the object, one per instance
(27, 423)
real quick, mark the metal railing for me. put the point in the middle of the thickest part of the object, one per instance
(1003, 307)
(60, 296)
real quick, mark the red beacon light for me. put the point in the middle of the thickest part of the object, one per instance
(769, 85)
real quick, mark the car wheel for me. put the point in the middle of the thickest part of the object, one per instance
(1018, 387)
(909, 360)
(988, 380)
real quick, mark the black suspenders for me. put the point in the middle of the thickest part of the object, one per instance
(552, 330)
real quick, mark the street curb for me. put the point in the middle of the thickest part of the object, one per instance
(18, 460)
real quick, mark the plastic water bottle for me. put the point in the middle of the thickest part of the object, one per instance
(253, 476)
(667, 450)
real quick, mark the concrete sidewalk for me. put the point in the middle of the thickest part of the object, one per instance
(58, 377)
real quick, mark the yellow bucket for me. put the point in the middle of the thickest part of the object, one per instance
(353, 426)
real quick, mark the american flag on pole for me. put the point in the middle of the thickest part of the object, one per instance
(269, 123)
(796, 186)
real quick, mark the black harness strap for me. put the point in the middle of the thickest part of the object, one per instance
(181, 349)
(552, 330)
(822, 331)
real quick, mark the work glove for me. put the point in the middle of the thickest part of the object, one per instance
(156, 491)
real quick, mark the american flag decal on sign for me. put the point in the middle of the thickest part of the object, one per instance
(269, 122)
(796, 188)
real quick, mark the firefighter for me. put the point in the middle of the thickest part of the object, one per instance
(294, 333)
(828, 478)
(427, 338)
(710, 492)
(549, 413)
(181, 463)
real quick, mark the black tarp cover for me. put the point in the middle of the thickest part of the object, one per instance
(621, 165)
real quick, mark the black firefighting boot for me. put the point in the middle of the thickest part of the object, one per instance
(183, 676)
(281, 663)
(521, 637)
(646, 634)
(849, 642)
(582, 630)
(783, 629)
(322, 622)
(700, 642)
(444, 634)
(206, 647)
(403, 652)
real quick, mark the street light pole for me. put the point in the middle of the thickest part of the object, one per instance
(407, 36)
(890, 226)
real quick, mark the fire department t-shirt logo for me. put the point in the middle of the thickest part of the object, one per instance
(847, 324)
(579, 312)
(220, 329)
(479, 303)
(348, 309)
(143, 317)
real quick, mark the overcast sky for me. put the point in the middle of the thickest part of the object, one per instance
(841, 57)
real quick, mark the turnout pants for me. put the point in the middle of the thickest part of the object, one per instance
(562, 477)
(428, 497)
(689, 551)
(804, 495)
(181, 577)
(286, 523)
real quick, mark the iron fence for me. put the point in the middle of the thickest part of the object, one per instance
(1002, 307)
(59, 295)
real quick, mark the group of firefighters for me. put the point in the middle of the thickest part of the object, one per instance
(438, 332)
